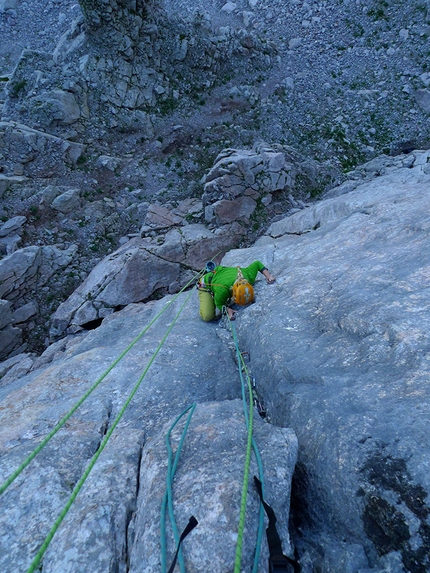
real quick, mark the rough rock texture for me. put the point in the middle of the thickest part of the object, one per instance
(105, 527)
(339, 347)
(342, 344)
(242, 182)
(138, 269)
(214, 445)
(30, 268)
(23, 274)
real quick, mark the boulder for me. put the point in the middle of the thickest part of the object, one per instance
(12, 225)
(5, 313)
(23, 313)
(47, 195)
(9, 244)
(130, 274)
(15, 367)
(10, 340)
(225, 211)
(160, 217)
(240, 179)
(67, 202)
(56, 107)
(108, 162)
(422, 97)
(6, 181)
(30, 268)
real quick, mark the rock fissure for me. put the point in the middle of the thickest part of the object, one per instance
(131, 516)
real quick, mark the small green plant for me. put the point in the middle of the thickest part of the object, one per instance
(17, 87)
(167, 106)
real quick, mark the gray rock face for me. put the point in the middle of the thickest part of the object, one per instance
(339, 350)
(241, 179)
(14, 224)
(58, 107)
(130, 274)
(214, 447)
(22, 274)
(68, 201)
(341, 342)
(107, 526)
(31, 268)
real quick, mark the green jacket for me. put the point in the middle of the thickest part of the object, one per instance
(220, 282)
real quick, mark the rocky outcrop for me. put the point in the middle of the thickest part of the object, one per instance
(243, 183)
(139, 268)
(22, 274)
(338, 347)
(30, 268)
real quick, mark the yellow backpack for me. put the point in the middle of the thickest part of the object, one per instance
(243, 291)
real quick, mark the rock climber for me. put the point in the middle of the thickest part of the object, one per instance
(220, 284)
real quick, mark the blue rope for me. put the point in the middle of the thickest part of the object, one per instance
(168, 495)
(36, 561)
(65, 418)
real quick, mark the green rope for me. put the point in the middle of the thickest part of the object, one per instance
(61, 423)
(249, 425)
(260, 532)
(168, 495)
(36, 561)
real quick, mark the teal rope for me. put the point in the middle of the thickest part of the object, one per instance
(61, 423)
(249, 424)
(36, 561)
(168, 495)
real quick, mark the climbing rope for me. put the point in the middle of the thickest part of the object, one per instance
(61, 423)
(36, 561)
(249, 417)
(168, 496)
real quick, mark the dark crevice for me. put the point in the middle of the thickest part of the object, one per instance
(104, 427)
(92, 324)
(131, 512)
(384, 521)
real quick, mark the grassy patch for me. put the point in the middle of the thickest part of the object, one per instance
(17, 87)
